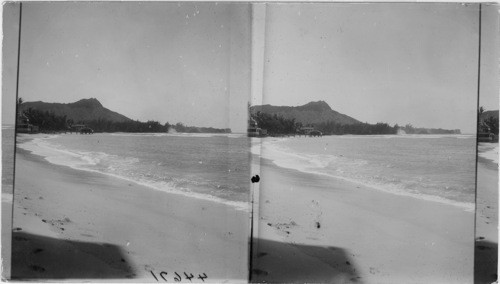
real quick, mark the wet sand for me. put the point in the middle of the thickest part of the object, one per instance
(319, 229)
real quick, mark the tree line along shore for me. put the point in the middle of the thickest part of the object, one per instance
(33, 120)
(278, 125)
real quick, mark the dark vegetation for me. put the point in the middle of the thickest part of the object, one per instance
(285, 120)
(102, 125)
(492, 123)
(50, 118)
(487, 121)
(179, 127)
(50, 122)
(331, 127)
(409, 129)
(278, 125)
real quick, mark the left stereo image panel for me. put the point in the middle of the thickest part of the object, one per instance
(125, 153)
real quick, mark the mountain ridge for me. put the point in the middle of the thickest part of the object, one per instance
(83, 110)
(309, 113)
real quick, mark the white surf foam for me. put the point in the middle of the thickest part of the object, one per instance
(315, 164)
(87, 161)
(410, 136)
(194, 135)
(488, 151)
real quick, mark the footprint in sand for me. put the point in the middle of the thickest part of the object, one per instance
(37, 268)
(483, 247)
(18, 238)
(260, 272)
(317, 213)
(38, 250)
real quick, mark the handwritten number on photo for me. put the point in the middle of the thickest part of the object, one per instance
(189, 277)
(155, 276)
(202, 277)
(161, 274)
(177, 278)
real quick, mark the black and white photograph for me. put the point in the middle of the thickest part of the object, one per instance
(375, 180)
(250, 142)
(131, 148)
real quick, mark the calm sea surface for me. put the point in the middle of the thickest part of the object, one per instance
(214, 167)
(433, 167)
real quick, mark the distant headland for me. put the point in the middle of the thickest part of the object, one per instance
(91, 114)
(319, 118)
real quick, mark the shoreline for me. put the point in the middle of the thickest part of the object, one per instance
(464, 205)
(486, 241)
(322, 229)
(113, 229)
(47, 154)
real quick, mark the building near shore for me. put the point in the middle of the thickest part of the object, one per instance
(253, 130)
(23, 124)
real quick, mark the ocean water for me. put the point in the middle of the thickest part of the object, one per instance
(438, 168)
(213, 167)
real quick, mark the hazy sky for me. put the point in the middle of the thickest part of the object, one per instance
(172, 62)
(395, 63)
(193, 62)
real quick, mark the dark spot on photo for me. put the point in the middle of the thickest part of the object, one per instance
(37, 268)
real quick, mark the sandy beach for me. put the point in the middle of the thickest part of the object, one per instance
(6, 233)
(486, 251)
(318, 229)
(7, 185)
(70, 224)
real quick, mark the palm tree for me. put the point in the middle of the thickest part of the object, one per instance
(19, 102)
(481, 110)
(18, 107)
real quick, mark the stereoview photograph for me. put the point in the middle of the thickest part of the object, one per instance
(366, 143)
(131, 154)
(250, 142)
